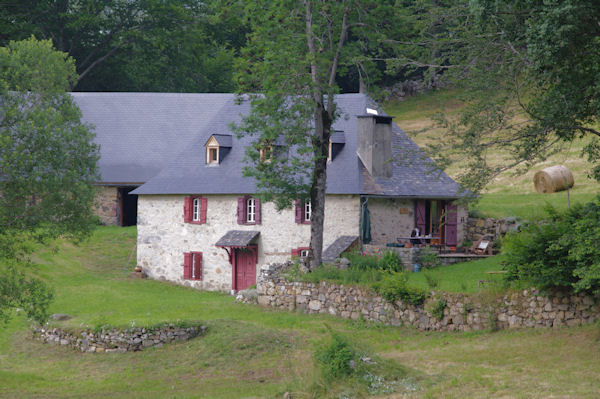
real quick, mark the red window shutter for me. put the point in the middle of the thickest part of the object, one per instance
(299, 211)
(257, 210)
(197, 266)
(187, 210)
(241, 210)
(187, 265)
(420, 216)
(203, 210)
(295, 252)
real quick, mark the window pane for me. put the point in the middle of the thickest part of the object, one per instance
(196, 210)
(250, 210)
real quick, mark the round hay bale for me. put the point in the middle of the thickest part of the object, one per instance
(553, 179)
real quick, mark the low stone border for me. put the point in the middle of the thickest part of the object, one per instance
(442, 311)
(117, 340)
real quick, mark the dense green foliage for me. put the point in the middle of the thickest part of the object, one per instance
(561, 252)
(395, 286)
(338, 358)
(135, 45)
(530, 69)
(47, 166)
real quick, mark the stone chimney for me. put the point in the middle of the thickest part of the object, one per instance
(375, 144)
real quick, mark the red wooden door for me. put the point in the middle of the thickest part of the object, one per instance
(245, 275)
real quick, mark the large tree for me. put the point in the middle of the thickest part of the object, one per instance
(531, 70)
(134, 45)
(47, 167)
(295, 53)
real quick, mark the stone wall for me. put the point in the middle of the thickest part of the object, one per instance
(106, 205)
(115, 340)
(478, 227)
(408, 256)
(163, 237)
(461, 312)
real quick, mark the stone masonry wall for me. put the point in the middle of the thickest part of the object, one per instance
(478, 227)
(106, 205)
(163, 237)
(115, 340)
(528, 308)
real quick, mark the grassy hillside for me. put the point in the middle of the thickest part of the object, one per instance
(250, 352)
(509, 194)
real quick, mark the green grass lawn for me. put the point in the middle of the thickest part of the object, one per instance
(509, 194)
(256, 353)
(460, 277)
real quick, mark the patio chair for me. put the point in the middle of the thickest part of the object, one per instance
(482, 246)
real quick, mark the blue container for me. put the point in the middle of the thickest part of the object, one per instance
(416, 268)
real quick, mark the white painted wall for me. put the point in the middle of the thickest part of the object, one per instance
(163, 237)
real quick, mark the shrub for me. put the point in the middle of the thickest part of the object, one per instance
(394, 286)
(363, 262)
(338, 359)
(562, 251)
(391, 262)
(436, 308)
(428, 258)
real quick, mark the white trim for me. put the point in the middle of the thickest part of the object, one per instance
(307, 211)
(250, 210)
(196, 208)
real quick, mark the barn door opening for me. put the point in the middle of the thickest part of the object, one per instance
(127, 206)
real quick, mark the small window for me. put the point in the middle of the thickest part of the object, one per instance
(196, 205)
(301, 252)
(250, 210)
(307, 211)
(214, 154)
(266, 153)
(194, 210)
(303, 212)
(192, 266)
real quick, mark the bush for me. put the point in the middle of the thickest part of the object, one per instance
(338, 359)
(428, 258)
(391, 262)
(394, 286)
(561, 252)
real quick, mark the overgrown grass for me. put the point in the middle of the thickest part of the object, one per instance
(508, 194)
(253, 352)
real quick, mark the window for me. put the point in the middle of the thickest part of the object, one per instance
(194, 210)
(266, 153)
(212, 151)
(248, 210)
(192, 266)
(301, 252)
(307, 211)
(303, 212)
(330, 154)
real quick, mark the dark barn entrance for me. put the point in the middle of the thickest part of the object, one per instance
(127, 206)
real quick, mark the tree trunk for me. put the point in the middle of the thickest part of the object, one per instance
(319, 184)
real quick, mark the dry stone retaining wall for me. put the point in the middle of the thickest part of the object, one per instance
(115, 340)
(527, 308)
(478, 227)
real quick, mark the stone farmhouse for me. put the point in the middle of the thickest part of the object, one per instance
(171, 162)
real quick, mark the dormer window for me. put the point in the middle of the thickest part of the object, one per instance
(217, 147)
(266, 153)
(213, 155)
(336, 144)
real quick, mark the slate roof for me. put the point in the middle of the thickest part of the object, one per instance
(237, 238)
(188, 173)
(338, 247)
(139, 133)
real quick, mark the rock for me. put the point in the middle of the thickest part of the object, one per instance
(344, 263)
(314, 305)
(60, 316)
(64, 342)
